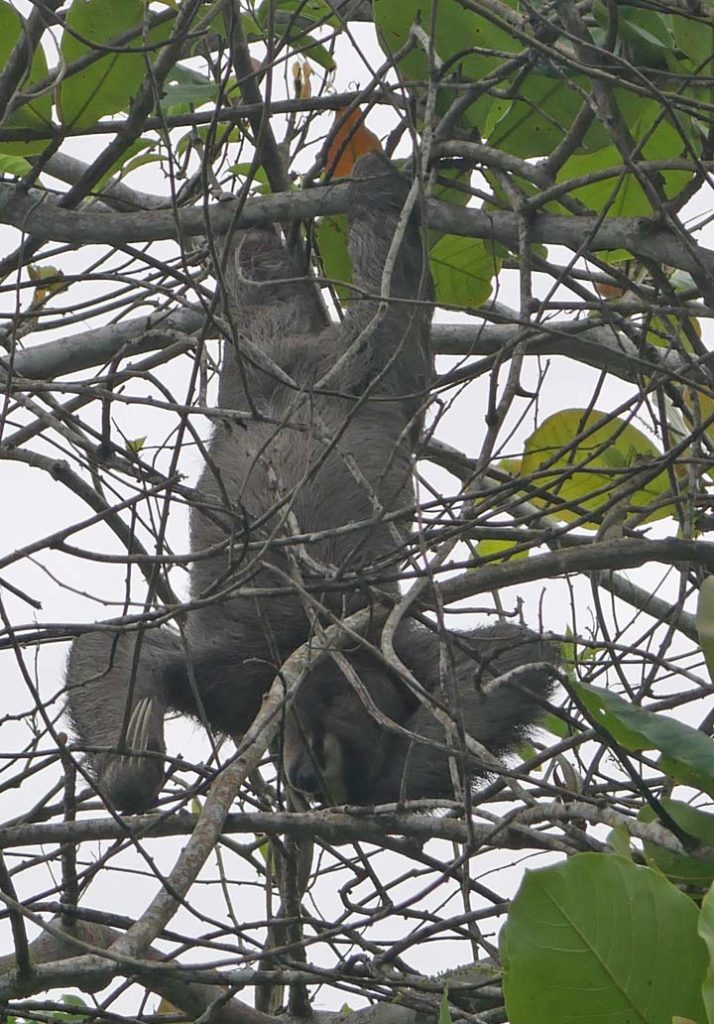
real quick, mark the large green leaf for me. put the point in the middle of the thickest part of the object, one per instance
(463, 269)
(539, 117)
(14, 165)
(705, 622)
(622, 195)
(109, 84)
(36, 114)
(584, 459)
(682, 868)
(499, 551)
(706, 930)
(456, 31)
(296, 14)
(644, 37)
(185, 88)
(696, 38)
(647, 32)
(453, 185)
(334, 255)
(598, 939)
(687, 754)
(292, 20)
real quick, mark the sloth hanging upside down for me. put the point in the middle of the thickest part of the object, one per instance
(330, 419)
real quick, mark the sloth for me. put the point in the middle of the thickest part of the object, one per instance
(303, 509)
(337, 750)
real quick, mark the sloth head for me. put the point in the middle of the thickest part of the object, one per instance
(334, 749)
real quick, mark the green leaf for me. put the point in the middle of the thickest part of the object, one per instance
(457, 30)
(127, 161)
(614, 715)
(584, 471)
(444, 1011)
(644, 36)
(498, 550)
(700, 409)
(622, 195)
(539, 117)
(15, 165)
(687, 754)
(705, 622)
(140, 161)
(667, 330)
(647, 34)
(680, 868)
(48, 281)
(453, 185)
(70, 1018)
(556, 726)
(331, 235)
(37, 114)
(293, 19)
(72, 1000)
(187, 88)
(463, 269)
(265, 851)
(682, 281)
(109, 84)
(645, 26)
(619, 841)
(598, 939)
(696, 39)
(207, 135)
(301, 13)
(696, 823)
(311, 50)
(706, 930)
(259, 183)
(251, 29)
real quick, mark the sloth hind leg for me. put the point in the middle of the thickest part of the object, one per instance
(117, 702)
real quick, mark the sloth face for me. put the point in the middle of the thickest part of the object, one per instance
(334, 753)
(316, 766)
(334, 749)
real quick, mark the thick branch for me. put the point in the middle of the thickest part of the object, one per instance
(331, 826)
(103, 344)
(643, 237)
(611, 554)
(54, 947)
(599, 346)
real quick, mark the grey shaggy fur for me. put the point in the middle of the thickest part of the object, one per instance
(336, 412)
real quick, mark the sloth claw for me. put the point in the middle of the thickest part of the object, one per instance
(137, 733)
(131, 780)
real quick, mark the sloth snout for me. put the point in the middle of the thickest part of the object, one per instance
(304, 776)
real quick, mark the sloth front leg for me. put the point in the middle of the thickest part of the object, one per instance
(117, 701)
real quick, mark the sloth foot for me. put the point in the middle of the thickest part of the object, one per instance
(132, 781)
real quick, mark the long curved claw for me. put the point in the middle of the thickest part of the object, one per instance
(131, 780)
(137, 733)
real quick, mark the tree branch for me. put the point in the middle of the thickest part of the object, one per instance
(644, 237)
